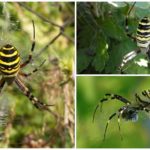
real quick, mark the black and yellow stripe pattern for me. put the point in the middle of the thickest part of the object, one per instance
(129, 111)
(10, 69)
(9, 61)
(143, 34)
(37, 103)
(142, 39)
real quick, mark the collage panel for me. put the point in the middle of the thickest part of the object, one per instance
(113, 111)
(113, 37)
(37, 83)
(43, 98)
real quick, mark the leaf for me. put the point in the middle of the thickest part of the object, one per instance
(101, 56)
(83, 60)
(116, 54)
(144, 5)
(112, 29)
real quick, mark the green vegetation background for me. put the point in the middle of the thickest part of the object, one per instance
(92, 89)
(102, 40)
(24, 125)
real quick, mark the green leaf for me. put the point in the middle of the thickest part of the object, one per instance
(116, 54)
(112, 29)
(101, 56)
(83, 60)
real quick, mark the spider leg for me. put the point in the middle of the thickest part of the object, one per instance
(146, 93)
(128, 57)
(32, 49)
(120, 111)
(117, 97)
(108, 124)
(110, 97)
(33, 71)
(95, 112)
(119, 115)
(2, 83)
(127, 22)
(148, 53)
(138, 99)
(37, 103)
(144, 105)
(100, 103)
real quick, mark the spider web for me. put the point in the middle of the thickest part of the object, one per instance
(8, 24)
(4, 115)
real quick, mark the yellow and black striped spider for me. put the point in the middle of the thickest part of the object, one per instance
(10, 68)
(142, 39)
(129, 111)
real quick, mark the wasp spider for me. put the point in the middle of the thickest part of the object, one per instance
(142, 39)
(129, 111)
(10, 67)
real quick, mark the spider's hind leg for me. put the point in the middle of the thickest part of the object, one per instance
(2, 83)
(37, 103)
(113, 115)
(120, 111)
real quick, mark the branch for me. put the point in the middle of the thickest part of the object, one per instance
(68, 22)
(68, 37)
(38, 15)
(49, 43)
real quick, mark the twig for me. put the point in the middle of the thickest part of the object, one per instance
(68, 22)
(68, 37)
(38, 15)
(49, 43)
(61, 27)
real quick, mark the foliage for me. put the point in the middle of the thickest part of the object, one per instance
(90, 90)
(102, 40)
(53, 83)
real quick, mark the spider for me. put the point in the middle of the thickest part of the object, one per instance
(10, 68)
(129, 111)
(142, 39)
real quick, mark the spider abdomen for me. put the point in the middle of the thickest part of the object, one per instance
(143, 34)
(9, 61)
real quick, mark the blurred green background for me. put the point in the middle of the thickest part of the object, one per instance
(21, 124)
(102, 40)
(92, 89)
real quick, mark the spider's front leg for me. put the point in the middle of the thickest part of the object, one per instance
(32, 49)
(37, 103)
(110, 97)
